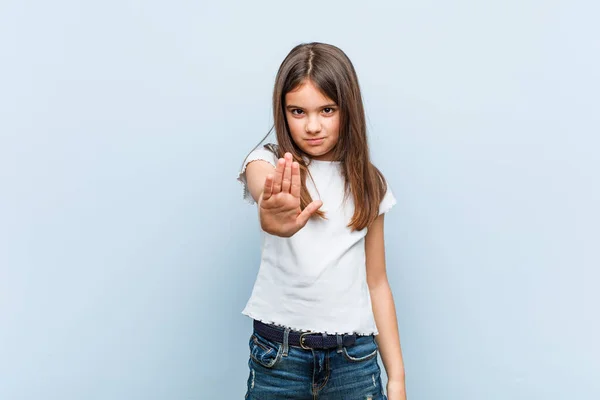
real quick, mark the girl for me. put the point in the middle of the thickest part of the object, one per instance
(321, 304)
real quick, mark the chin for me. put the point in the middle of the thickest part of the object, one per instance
(314, 152)
(317, 153)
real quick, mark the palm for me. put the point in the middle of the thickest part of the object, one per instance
(280, 203)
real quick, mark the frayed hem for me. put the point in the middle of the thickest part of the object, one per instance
(298, 329)
(388, 208)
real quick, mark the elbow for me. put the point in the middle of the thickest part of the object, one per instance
(378, 284)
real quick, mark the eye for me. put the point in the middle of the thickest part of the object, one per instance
(296, 111)
(328, 110)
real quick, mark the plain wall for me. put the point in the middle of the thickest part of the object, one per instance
(127, 254)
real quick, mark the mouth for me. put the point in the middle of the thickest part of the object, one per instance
(316, 141)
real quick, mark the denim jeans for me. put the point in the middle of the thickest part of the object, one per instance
(282, 372)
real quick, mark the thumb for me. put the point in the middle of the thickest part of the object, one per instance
(308, 212)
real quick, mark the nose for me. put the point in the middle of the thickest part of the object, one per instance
(313, 125)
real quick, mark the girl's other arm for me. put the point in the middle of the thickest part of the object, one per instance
(384, 311)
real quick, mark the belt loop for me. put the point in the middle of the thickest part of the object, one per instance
(286, 336)
(339, 342)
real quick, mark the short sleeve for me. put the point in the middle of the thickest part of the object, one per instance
(260, 153)
(387, 202)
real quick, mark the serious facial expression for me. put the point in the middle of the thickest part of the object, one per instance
(313, 120)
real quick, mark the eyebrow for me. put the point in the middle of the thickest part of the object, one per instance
(325, 106)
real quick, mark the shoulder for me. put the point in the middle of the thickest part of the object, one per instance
(273, 148)
(268, 152)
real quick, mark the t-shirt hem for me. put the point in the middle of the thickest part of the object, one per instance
(298, 329)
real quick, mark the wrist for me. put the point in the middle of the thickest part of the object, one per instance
(273, 229)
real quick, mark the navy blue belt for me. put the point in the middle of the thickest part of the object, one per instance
(306, 340)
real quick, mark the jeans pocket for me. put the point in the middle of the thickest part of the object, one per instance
(263, 351)
(364, 349)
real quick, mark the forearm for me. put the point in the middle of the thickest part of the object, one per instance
(388, 339)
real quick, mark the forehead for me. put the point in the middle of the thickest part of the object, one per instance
(307, 95)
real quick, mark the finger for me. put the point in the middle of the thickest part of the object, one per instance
(287, 174)
(296, 184)
(278, 176)
(308, 212)
(268, 189)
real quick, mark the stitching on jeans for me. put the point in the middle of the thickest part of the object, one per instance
(271, 364)
(313, 377)
(262, 346)
(355, 359)
(328, 373)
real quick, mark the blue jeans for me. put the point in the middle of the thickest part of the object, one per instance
(282, 372)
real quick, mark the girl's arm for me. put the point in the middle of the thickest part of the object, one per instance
(256, 174)
(384, 311)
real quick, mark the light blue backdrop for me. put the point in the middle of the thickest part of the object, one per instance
(127, 254)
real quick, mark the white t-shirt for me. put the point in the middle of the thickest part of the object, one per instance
(316, 279)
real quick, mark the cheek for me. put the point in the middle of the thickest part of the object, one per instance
(333, 126)
(296, 127)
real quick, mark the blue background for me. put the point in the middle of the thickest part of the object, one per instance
(127, 254)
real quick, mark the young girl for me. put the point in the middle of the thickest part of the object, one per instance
(321, 304)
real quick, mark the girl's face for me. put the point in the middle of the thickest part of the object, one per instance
(313, 120)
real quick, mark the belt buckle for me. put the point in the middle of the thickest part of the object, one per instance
(302, 338)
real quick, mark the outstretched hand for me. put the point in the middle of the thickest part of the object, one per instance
(279, 205)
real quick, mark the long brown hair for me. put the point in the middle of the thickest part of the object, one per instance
(332, 72)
